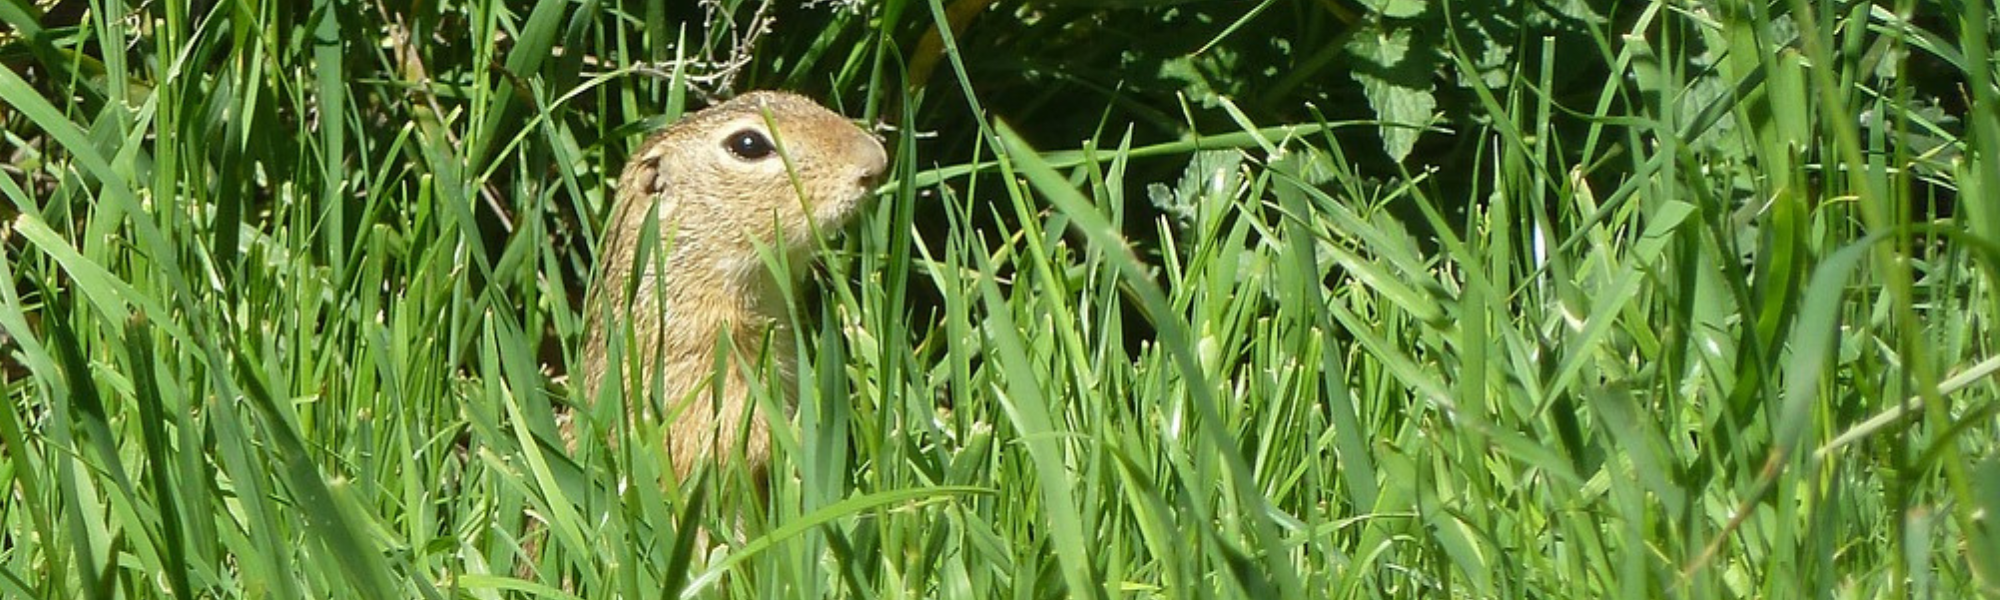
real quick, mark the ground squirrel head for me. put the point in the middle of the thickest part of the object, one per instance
(764, 168)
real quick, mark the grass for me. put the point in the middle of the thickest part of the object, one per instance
(292, 292)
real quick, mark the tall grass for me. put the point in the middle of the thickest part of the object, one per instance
(293, 292)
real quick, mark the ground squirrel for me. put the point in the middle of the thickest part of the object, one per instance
(766, 168)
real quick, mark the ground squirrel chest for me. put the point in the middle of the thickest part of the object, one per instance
(680, 271)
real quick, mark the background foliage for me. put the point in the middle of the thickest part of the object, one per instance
(1307, 298)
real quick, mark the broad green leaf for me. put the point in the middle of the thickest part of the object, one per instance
(1396, 78)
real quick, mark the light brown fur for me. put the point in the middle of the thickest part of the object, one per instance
(704, 280)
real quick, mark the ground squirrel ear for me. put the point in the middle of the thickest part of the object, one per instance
(749, 144)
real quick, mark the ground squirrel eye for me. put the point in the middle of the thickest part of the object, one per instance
(749, 144)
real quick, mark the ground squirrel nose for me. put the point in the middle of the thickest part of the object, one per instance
(870, 156)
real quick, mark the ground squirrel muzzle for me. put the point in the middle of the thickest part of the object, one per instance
(764, 169)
